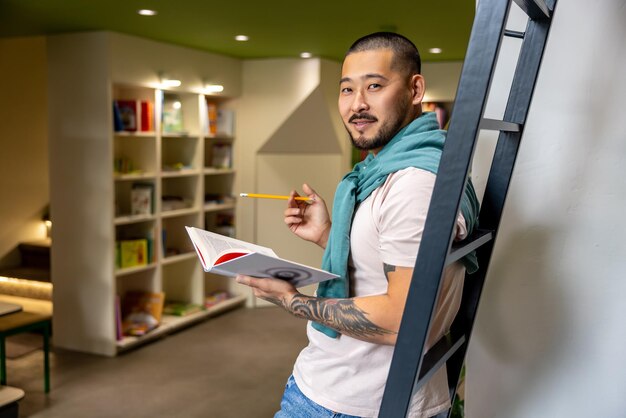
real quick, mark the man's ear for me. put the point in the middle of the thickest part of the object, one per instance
(417, 88)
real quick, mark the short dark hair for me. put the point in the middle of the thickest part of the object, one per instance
(405, 52)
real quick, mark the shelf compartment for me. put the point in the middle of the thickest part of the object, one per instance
(134, 154)
(140, 244)
(180, 114)
(180, 153)
(182, 281)
(135, 198)
(179, 193)
(175, 240)
(218, 154)
(173, 323)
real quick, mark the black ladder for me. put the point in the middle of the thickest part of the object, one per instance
(409, 369)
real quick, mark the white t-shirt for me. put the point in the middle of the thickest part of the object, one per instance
(347, 375)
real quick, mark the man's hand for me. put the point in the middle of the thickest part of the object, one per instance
(309, 221)
(279, 292)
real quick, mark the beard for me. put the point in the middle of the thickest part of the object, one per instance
(387, 130)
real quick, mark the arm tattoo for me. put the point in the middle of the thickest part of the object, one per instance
(340, 314)
(388, 268)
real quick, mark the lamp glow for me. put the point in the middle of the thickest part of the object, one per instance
(306, 55)
(242, 38)
(435, 50)
(147, 12)
(213, 88)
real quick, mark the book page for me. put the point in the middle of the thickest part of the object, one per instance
(213, 245)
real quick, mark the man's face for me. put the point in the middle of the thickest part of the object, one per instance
(375, 101)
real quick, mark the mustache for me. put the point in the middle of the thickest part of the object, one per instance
(362, 116)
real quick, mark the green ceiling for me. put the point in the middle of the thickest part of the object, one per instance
(277, 28)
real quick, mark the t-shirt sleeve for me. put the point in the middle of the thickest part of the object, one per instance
(403, 202)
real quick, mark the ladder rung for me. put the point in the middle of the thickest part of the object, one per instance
(535, 9)
(499, 125)
(461, 249)
(436, 357)
(514, 34)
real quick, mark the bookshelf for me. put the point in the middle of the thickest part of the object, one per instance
(178, 159)
(131, 180)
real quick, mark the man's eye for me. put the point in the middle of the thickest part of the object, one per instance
(374, 86)
(346, 90)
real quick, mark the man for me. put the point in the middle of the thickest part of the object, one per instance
(378, 217)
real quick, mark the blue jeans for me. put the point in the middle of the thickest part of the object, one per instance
(295, 405)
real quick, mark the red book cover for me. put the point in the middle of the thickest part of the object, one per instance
(147, 118)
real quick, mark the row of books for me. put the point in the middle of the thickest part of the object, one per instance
(138, 116)
(220, 121)
(133, 116)
(138, 313)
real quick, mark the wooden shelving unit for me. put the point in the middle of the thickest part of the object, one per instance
(94, 169)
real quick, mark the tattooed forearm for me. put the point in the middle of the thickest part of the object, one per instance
(340, 314)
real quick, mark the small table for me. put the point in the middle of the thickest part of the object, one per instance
(16, 323)
(8, 401)
(9, 308)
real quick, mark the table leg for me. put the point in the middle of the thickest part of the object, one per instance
(46, 357)
(3, 362)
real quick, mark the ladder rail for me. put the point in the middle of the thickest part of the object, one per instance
(499, 179)
(468, 109)
(409, 370)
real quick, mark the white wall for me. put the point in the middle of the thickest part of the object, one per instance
(273, 90)
(550, 334)
(23, 144)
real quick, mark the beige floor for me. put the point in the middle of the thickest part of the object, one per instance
(234, 365)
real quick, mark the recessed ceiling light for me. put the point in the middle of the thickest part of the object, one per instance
(435, 50)
(147, 12)
(241, 38)
(306, 55)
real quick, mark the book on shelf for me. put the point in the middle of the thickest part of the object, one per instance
(147, 116)
(221, 156)
(142, 312)
(181, 308)
(125, 115)
(225, 122)
(229, 257)
(172, 116)
(216, 298)
(142, 198)
(118, 318)
(211, 119)
(133, 252)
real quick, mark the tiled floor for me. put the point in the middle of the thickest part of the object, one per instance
(234, 365)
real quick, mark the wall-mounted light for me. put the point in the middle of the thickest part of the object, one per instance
(435, 50)
(212, 88)
(306, 55)
(242, 38)
(168, 82)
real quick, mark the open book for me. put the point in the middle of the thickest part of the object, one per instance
(230, 257)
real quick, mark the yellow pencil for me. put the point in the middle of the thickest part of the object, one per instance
(273, 196)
